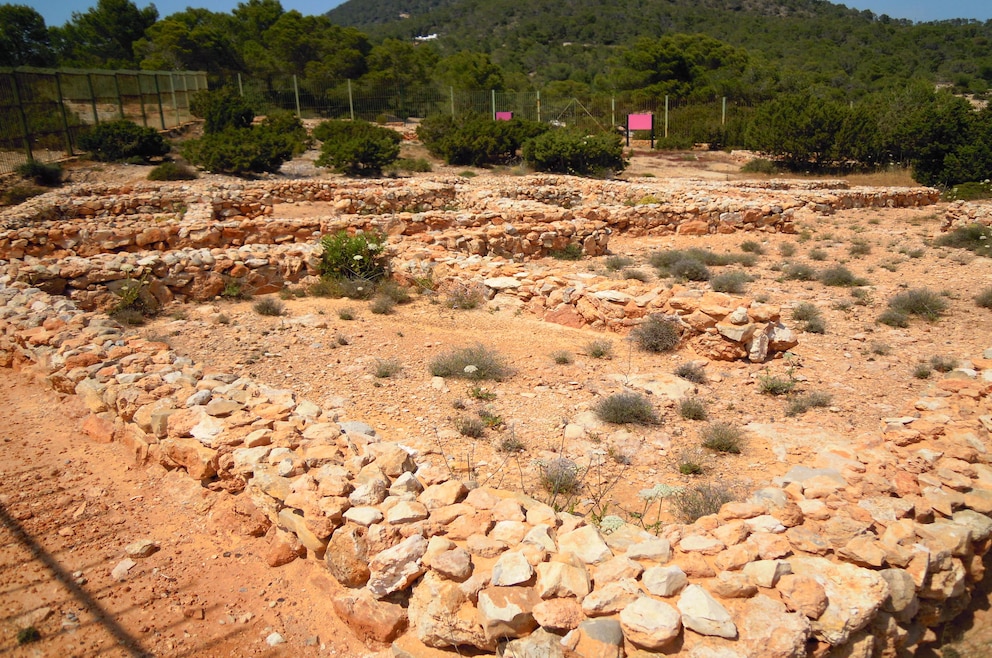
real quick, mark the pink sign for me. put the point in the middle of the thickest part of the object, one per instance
(640, 121)
(504, 116)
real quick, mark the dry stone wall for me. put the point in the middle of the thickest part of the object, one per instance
(858, 553)
(963, 213)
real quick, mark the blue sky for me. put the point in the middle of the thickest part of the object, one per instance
(57, 12)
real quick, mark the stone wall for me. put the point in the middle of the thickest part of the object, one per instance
(963, 213)
(858, 553)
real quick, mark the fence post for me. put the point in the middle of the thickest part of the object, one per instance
(23, 117)
(65, 118)
(493, 92)
(351, 101)
(186, 96)
(613, 112)
(120, 101)
(451, 92)
(241, 90)
(723, 117)
(666, 116)
(539, 106)
(141, 98)
(158, 96)
(89, 83)
(296, 94)
(175, 105)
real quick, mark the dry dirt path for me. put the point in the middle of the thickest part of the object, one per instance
(68, 509)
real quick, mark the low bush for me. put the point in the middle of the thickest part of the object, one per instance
(470, 427)
(617, 263)
(689, 269)
(360, 256)
(859, 249)
(984, 298)
(382, 305)
(269, 306)
(474, 363)
(412, 165)
(571, 251)
(894, 318)
(464, 296)
(355, 288)
(730, 282)
(18, 194)
(221, 109)
(971, 191)
(943, 363)
(817, 254)
(723, 437)
(636, 275)
(476, 139)
(356, 148)
(759, 166)
(976, 238)
(689, 462)
(385, 368)
(840, 276)
(691, 372)
(239, 152)
(40, 173)
(800, 404)
(561, 476)
(511, 443)
(172, 171)
(752, 247)
(656, 335)
(920, 302)
(623, 408)
(787, 249)
(692, 409)
(922, 371)
(800, 272)
(346, 314)
(810, 318)
(775, 385)
(394, 291)
(693, 503)
(562, 357)
(123, 141)
(566, 151)
(599, 349)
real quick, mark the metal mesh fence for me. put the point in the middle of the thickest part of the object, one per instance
(42, 111)
(677, 122)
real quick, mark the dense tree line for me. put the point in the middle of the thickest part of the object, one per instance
(831, 88)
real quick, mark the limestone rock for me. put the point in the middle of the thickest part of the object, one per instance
(346, 556)
(664, 581)
(853, 594)
(557, 579)
(395, 568)
(442, 616)
(368, 618)
(768, 631)
(539, 644)
(596, 638)
(803, 594)
(650, 623)
(507, 611)
(704, 615)
(512, 568)
(559, 614)
(586, 543)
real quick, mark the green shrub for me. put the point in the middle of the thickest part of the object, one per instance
(774, 385)
(787, 249)
(636, 275)
(800, 272)
(511, 444)
(810, 317)
(571, 251)
(40, 173)
(730, 282)
(657, 335)
(241, 151)
(385, 368)
(693, 503)
(759, 166)
(723, 437)
(28, 635)
(18, 194)
(817, 254)
(346, 314)
(474, 363)
(360, 256)
(920, 302)
(752, 247)
(234, 290)
(394, 291)
(880, 348)
(382, 305)
(971, 191)
(412, 165)
(692, 409)
(894, 318)
(123, 141)
(859, 249)
(838, 275)
(800, 404)
(480, 393)
(490, 419)
(688, 466)
(599, 349)
(356, 288)
(356, 148)
(617, 263)
(172, 171)
(691, 372)
(984, 298)
(270, 307)
(689, 269)
(566, 151)
(623, 408)
(562, 357)
(922, 371)
(974, 237)
(221, 109)
(470, 426)
(476, 139)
